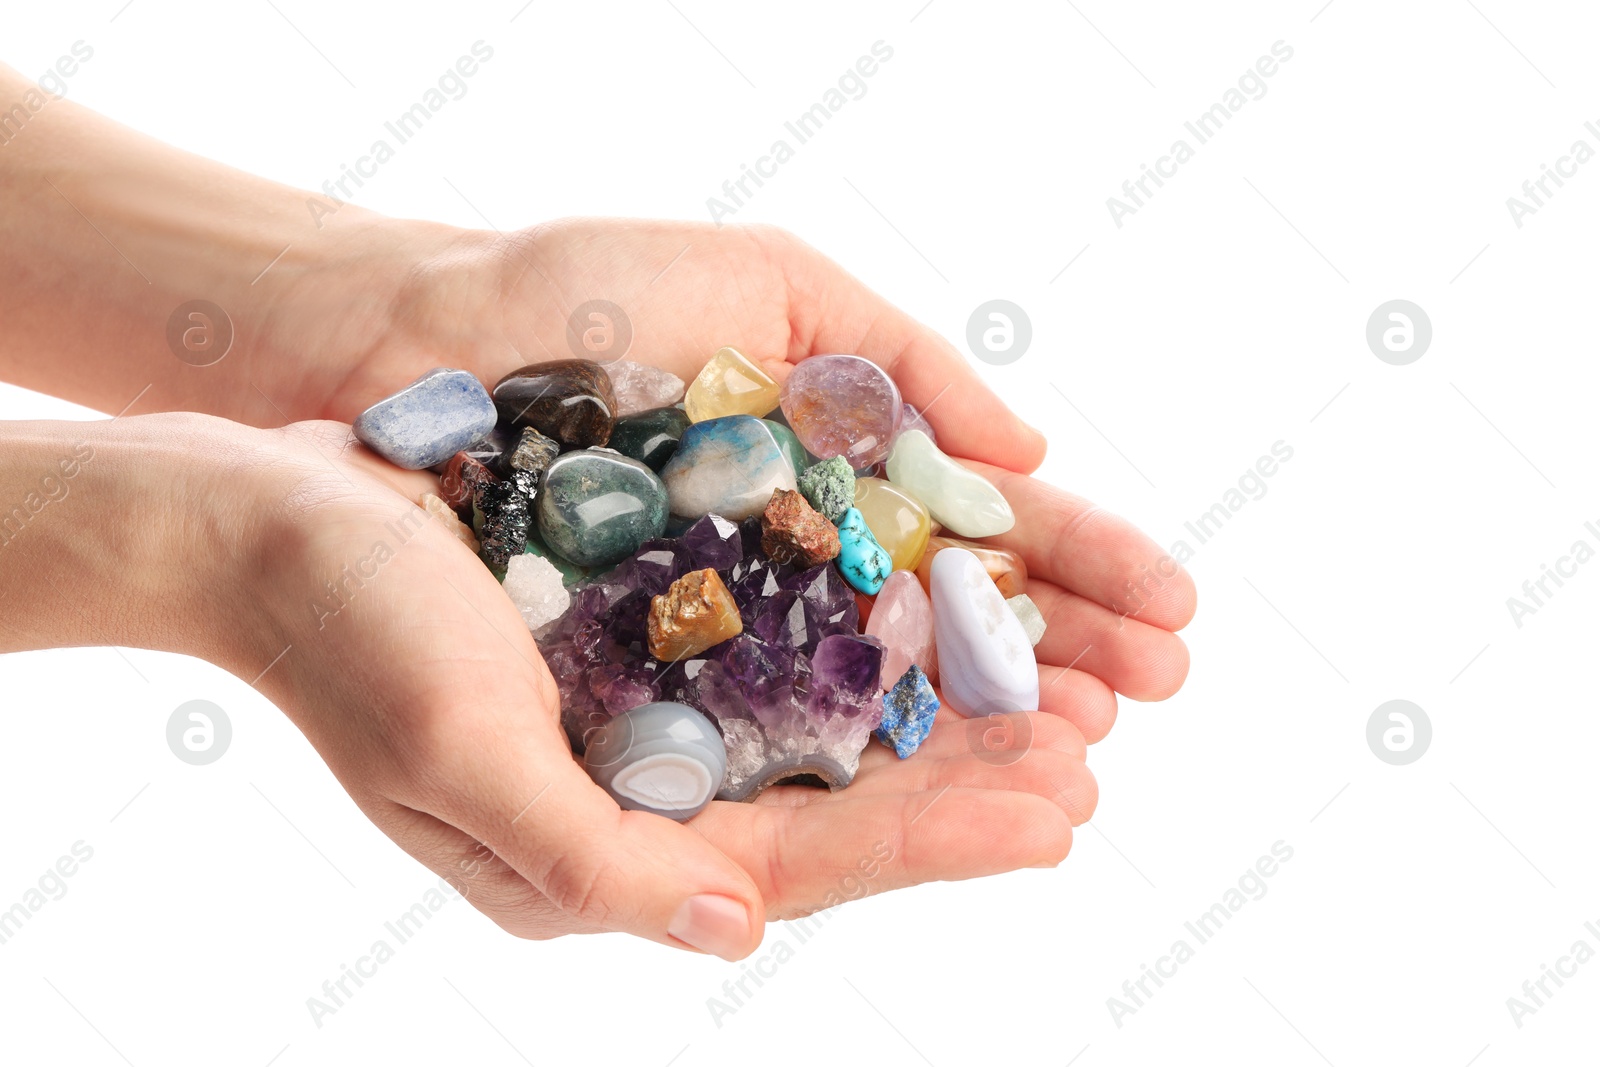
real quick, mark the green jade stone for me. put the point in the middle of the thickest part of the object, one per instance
(597, 507)
(830, 487)
(651, 437)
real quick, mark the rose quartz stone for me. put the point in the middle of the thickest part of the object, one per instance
(902, 618)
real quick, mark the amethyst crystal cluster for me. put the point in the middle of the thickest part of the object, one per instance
(795, 694)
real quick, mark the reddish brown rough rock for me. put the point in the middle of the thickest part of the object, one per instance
(792, 531)
(695, 612)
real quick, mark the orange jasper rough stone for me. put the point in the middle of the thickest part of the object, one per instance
(695, 612)
(793, 532)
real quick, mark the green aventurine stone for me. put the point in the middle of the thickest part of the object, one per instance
(830, 487)
(597, 507)
(571, 573)
(651, 437)
(790, 445)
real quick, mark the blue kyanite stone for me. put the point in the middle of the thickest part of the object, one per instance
(864, 563)
(908, 711)
(728, 466)
(429, 420)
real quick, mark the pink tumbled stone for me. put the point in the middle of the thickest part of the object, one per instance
(902, 618)
(842, 406)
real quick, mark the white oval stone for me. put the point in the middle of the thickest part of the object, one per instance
(666, 782)
(986, 661)
(964, 502)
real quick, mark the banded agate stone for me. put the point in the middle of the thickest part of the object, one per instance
(985, 657)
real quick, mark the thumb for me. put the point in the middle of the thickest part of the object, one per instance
(606, 868)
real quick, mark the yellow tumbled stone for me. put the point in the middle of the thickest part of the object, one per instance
(896, 518)
(730, 385)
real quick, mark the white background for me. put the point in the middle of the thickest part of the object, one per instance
(1226, 315)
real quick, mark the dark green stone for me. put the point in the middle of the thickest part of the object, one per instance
(596, 507)
(651, 437)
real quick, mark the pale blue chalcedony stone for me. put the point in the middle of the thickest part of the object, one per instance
(986, 662)
(728, 466)
(865, 564)
(664, 758)
(429, 420)
(964, 502)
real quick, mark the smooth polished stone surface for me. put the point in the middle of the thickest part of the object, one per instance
(793, 532)
(728, 466)
(458, 483)
(597, 507)
(842, 406)
(790, 444)
(963, 501)
(986, 661)
(662, 757)
(1006, 568)
(1028, 613)
(863, 562)
(908, 712)
(535, 586)
(428, 421)
(902, 618)
(730, 384)
(651, 437)
(641, 387)
(568, 399)
(695, 613)
(897, 520)
(912, 419)
(830, 487)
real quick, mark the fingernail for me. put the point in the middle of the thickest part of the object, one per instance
(713, 924)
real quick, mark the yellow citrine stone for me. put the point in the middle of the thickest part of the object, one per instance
(896, 518)
(730, 385)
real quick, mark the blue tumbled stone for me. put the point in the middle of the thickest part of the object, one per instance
(908, 711)
(429, 420)
(864, 563)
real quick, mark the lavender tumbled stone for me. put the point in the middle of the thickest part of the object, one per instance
(842, 406)
(429, 420)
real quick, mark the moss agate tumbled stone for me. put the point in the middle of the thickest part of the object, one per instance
(664, 758)
(570, 400)
(428, 421)
(596, 507)
(651, 437)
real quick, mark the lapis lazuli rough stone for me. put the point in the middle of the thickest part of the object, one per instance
(662, 757)
(728, 467)
(429, 420)
(908, 711)
(864, 563)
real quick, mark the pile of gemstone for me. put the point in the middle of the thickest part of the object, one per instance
(733, 583)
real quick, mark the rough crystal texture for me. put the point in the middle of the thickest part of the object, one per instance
(792, 531)
(568, 399)
(864, 562)
(730, 384)
(965, 502)
(842, 406)
(535, 586)
(598, 506)
(902, 618)
(1008, 569)
(571, 573)
(428, 421)
(897, 520)
(446, 516)
(830, 486)
(778, 722)
(1029, 615)
(505, 515)
(695, 613)
(641, 387)
(531, 456)
(985, 659)
(651, 437)
(908, 712)
(727, 466)
(663, 757)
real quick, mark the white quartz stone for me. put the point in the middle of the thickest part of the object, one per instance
(534, 585)
(1029, 615)
(669, 781)
(986, 661)
(963, 501)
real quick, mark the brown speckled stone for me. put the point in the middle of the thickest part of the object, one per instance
(792, 531)
(570, 400)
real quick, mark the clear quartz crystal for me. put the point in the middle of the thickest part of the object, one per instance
(641, 387)
(534, 585)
